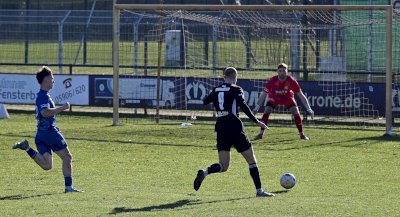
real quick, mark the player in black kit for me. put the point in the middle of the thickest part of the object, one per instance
(227, 98)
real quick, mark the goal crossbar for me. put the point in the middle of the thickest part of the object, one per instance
(248, 7)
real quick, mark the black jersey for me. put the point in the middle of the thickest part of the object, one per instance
(227, 99)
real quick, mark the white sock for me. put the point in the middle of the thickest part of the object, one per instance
(260, 190)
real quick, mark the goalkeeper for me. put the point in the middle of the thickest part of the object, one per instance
(280, 90)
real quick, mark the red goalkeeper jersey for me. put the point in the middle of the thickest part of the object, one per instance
(282, 91)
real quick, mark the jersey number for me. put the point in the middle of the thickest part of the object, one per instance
(221, 99)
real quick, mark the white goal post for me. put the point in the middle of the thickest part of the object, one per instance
(388, 9)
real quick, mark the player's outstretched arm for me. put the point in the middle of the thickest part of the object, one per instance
(304, 100)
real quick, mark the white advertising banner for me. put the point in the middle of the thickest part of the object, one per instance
(22, 89)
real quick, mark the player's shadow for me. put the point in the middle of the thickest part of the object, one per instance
(20, 197)
(30, 137)
(383, 138)
(177, 204)
(173, 205)
(280, 192)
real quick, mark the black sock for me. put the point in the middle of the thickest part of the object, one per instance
(215, 168)
(255, 175)
(32, 153)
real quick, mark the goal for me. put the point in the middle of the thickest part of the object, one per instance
(167, 57)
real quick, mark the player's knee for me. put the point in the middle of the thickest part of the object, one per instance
(268, 109)
(47, 166)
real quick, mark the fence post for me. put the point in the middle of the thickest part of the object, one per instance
(136, 44)
(60, 47)
(214, 50)
(60, 42)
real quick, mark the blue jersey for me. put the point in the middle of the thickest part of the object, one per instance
(44, 101)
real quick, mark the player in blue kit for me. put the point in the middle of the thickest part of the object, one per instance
(48, 137)
(227, 98)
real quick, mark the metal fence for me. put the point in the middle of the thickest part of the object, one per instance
(55, 37)
(83, 38)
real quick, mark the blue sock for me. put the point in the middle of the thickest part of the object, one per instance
(68, 181)
(32, 153)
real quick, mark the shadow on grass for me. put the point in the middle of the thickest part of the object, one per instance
(383, 138)
(173, 205)
(30, 138)
(177, 204)
(342, 143)
(276, 146)
(281, 192)
(20, 197)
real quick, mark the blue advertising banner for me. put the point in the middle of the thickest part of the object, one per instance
(22, 89)
(337, 99)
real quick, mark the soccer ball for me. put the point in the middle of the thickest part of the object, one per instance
(288, 180)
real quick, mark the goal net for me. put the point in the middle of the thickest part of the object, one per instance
(167, 57)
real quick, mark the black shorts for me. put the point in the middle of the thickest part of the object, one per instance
(239, 140)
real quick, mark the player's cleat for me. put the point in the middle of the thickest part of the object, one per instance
(259, 136)
(71, 190)
(304, 137)
(199, 179)
(21, 145)
(264, 194)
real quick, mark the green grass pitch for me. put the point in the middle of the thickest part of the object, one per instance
(141, 169)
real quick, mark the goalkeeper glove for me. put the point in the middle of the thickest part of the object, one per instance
(311, 113)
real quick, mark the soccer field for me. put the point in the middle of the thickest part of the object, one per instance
(141, 169)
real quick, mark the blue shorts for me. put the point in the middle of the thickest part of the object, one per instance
(48, 141)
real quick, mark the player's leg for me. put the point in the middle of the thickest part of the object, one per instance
(222, 166)
(43, 158)
(245, 147)
(224, 160)
(60, 147)
(224, 155)
(66, 158)
(298, 121)
(265, 118)
(254, 173)
(252, 162)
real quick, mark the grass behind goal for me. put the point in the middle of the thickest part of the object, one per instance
(140, 169)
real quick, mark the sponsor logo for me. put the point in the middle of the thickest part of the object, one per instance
(67, 83)
(195, 92)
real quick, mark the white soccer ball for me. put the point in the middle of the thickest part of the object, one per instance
(288, 180)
